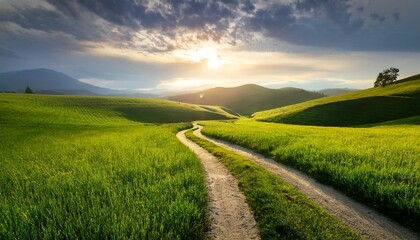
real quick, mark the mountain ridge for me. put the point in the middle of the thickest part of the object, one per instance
(44, 79)
(47, 81)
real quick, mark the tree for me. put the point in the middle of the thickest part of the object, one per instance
(386, 77)
(28, 90)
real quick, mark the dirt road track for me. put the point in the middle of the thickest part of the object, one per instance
(229, 214)
(367, 222)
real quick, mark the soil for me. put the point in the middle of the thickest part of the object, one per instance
(229, 215)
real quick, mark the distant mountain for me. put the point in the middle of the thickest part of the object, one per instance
(247, 99)
(335, 91)
(66, 92)
(46, 81)
(398, 101)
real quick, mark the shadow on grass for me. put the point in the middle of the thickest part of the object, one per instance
(357, 112)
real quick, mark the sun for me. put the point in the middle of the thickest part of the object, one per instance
(213, 63)
(209, 56)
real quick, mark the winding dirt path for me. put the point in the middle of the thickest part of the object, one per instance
(229, 214)
(369, 223)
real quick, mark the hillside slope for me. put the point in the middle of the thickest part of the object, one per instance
(247, 99)
(87, 168)
(335, 91)
(375, 105)
(18, 108)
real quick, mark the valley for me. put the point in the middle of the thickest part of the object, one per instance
(117, 162)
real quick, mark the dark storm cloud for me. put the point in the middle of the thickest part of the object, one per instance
(332, 24)
(274, 21)
(396, 17)
(377, 17)
(118, 21)
(164, 16)
(308, 22)
(336, 12)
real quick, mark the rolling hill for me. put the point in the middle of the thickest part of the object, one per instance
(43, 109)
(375, 105)
(65, 159)
(247, 99)
(335, 91)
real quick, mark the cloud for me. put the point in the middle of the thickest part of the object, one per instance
(332, 12)
(396, 16)
(97, 82)
(210, 19)
(152, 26)
(180, 84)
(163, 26)
(377, 17)
(308, 22)
(273, 21)
(337, 24)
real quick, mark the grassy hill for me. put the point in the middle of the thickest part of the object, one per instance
(335, 91)
(410, 121)
(103, 110)
(249, 98)
(375, 105)
(375, 164)
(95, 168)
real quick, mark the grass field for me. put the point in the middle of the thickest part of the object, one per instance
(280, 210)
(100, 110)
(375, 105)
(83, 168)
(100, 167)
(379, 165)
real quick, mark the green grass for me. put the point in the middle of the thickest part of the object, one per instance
(85, 168)
(281, 211)
(100, 110)
(396, 101)
(380, 165)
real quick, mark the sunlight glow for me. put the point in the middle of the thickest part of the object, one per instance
(207, 55)
(213, 63)
(184, 83)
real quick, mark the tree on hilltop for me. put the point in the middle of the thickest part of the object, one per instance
(386, 77)
(28, 90)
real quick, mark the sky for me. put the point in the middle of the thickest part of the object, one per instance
(171, 45)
